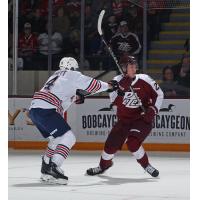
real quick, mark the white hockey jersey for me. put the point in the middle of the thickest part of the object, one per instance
(60, 90)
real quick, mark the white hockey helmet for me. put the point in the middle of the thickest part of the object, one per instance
(68, 63)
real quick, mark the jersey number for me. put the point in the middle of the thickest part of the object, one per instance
(50, 83)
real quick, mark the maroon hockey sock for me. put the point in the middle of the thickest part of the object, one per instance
(105, 164)
(144, 161)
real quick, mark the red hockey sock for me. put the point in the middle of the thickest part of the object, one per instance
(105, 164)
(144, 161)
(106, 159)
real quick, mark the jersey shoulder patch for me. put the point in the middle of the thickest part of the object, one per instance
(144, 77)
(149, 81)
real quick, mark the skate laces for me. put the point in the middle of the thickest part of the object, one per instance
(150, 169)
(96, 169)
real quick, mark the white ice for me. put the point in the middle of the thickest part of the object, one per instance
(126, 180)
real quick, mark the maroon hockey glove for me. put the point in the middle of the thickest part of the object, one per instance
(149, 115)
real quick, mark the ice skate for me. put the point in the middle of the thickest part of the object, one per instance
(152, 171)
(97, 170)
(53, 174)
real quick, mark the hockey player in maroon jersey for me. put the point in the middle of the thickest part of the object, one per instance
(133, 126)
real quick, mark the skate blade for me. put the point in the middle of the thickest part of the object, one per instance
(48, 179)
(157, 177)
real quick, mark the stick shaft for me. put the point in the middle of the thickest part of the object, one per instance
(121, 71)
(99, 25)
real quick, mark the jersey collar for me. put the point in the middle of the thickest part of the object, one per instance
(135, 80)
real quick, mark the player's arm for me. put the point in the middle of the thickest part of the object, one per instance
(93, 86)
(113, 95)
(155, 96)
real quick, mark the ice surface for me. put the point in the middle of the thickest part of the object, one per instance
(126, 180)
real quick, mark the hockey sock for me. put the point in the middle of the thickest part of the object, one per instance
(48, 154)
(63, 147)
(50, 149)
(60, 154)
(106, 160)
(141, 157)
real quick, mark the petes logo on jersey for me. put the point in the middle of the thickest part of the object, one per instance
(130, 100)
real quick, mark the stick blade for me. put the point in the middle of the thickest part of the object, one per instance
(100, 22)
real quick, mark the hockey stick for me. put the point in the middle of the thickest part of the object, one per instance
(99, 27)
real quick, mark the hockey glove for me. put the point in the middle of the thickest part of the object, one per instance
(149, 115)
(114, 85)
(120, 92)
(80, 98)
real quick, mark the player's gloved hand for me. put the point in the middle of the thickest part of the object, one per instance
(111, 106)
(114, 85)
(149, 115)
(80, 98)
(120, 92)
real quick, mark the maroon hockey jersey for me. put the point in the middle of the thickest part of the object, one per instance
(145, 88)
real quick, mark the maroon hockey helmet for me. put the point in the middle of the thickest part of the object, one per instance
(125, 60)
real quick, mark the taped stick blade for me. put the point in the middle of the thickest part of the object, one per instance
(100, 22)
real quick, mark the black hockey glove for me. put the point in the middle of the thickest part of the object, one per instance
(120, 92)
(80, 98)
(111, 106)
(114, 84)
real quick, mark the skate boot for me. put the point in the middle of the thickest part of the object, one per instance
(54, 175)
(58, 174)
(44, 170)
(45, 167)
(97, 170)
(152, 171)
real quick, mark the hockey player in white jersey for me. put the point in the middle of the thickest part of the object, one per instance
(46, 112)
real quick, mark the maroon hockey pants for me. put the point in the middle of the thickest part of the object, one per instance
(131, 132)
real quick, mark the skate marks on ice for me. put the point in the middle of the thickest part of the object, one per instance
(83, 181)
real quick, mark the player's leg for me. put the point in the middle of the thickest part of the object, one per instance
(64, 145)
(62, 140)
(137, 135)
(113, 143)
(49, 150)
(51, 146)
(33, 114)
(57, 151)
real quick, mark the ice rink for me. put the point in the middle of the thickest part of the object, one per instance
(126, 180)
